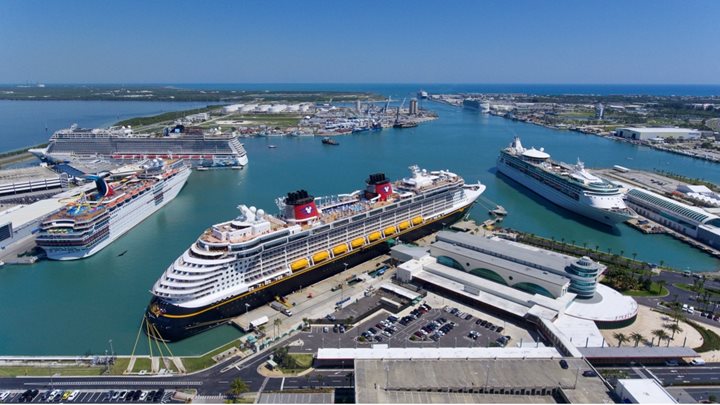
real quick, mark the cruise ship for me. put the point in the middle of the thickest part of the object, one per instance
(476, 104)
(198, 147)
(569, 186)
(244, 263)
(91, 222)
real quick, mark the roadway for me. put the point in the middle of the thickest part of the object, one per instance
(709, 374)
(683, 296)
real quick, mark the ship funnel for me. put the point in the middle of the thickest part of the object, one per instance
(300, 206)
(378, 185)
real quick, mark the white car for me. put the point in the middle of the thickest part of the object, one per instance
(4, 395)
(73, 395)
(691, 310)
(143, 396)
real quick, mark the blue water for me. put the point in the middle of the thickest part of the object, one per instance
(410, 89)
(84, 303)
(28, 123)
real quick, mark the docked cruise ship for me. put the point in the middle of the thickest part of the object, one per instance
(91, 222)
(197, 147)
(244, 263)
(571, 187)
(476, 104)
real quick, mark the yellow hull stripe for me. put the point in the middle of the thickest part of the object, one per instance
(336, 258)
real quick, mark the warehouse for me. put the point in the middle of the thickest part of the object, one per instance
(649, 134)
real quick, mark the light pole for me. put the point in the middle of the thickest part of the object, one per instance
(112, 351)
(247, 308)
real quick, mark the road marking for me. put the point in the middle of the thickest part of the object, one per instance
(117, 383)
(282, 384)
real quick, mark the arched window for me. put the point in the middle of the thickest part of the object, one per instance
(533, 288)
(450, 262)
(488, 275)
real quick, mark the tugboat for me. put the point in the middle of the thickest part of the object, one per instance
(406, 124)
(329, 141)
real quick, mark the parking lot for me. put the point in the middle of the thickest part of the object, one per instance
(89, 396)
(418, 327)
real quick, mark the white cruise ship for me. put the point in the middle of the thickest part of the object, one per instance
(196, 146)
(571, 187)
(246, 262)
(85, 226)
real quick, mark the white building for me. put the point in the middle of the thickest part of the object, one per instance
(642, 391)
(646, 134)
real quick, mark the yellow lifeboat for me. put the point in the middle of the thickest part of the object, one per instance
(404, 225)
(320, 256)
(417, 220)
(374, 236)
(299, 264)
(357, 242)
(389, 230)
(340, 249)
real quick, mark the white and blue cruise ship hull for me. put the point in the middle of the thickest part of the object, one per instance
(583, 206)
(126, 218)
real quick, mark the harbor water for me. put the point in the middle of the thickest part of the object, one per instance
(75, 308)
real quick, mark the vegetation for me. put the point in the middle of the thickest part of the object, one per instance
(711, 340)
(661, 335)
(636, 338)
(164, 117)
(292, 362)
(19, 371)
(621, 338)
(238, 387)
(201, 362)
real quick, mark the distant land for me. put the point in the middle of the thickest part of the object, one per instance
(169, 93)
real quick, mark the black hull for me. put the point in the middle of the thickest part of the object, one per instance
(172, 325)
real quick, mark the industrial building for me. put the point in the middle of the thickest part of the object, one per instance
(686, 219)
(650, 134)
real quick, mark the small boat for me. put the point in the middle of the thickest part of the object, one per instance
(272, 146)
(405, 125)
(123, 253)
(237, 167)
(202, 169)
(329, 141)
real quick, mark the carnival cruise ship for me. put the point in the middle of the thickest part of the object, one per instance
(244, 263)
(91, 222)
(571, 187)
(198, 147)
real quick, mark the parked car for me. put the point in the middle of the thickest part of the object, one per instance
(564, 364)
(589, 373)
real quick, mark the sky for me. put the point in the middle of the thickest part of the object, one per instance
(368, 41)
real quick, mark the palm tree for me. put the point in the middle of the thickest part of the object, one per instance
(636, 337)
(238, 387)
(621, 338)
(597, 247)
(276, 325)
(661, 284)
(677, 314)
(661, 335)
(674, 328)
(634, 255)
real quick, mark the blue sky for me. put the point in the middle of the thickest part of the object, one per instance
(560, 41)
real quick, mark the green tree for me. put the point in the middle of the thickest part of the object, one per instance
(674, 328)
(661, 284)
(661, 335)
(238, 387)
(621, 338)
(637, 338)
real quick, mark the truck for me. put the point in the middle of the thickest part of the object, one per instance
(277, 306)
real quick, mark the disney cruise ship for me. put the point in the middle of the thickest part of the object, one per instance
(85, 226)
(571, 187)
(244, 263)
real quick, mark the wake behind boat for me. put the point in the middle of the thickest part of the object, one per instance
(571, 187)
